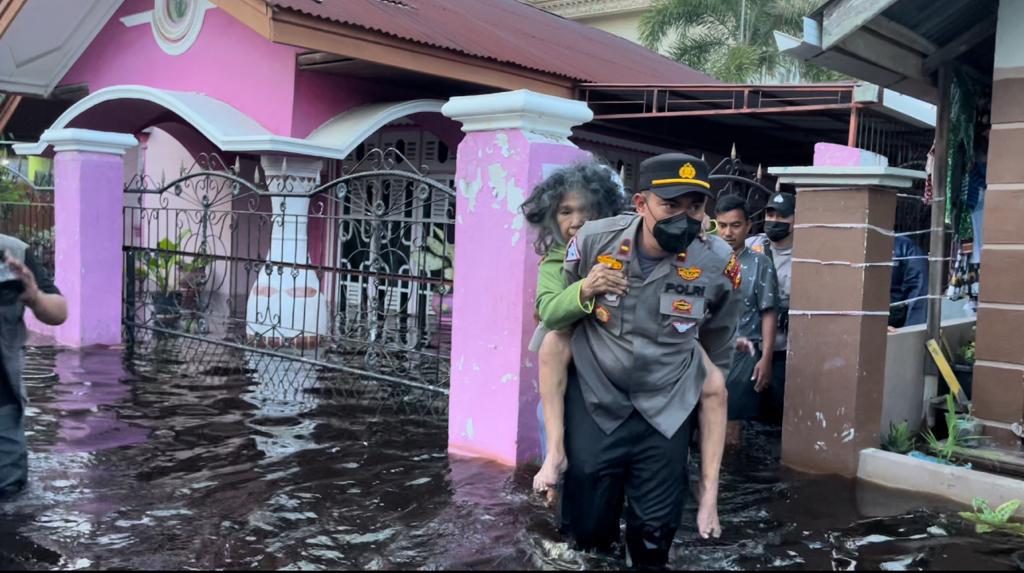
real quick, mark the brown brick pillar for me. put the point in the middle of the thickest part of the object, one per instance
(839, 306)
(998, 392)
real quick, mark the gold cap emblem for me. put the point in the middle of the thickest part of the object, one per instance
(687, 171)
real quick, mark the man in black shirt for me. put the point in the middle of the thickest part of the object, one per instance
(23, 284)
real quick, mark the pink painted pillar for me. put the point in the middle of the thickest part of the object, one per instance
(512, 140)
(88, 200)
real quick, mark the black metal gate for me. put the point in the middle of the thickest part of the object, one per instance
(353, 276)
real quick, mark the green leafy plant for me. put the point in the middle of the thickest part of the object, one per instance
(164, 266)
(957, 441)
(436, 254)
(967, 351)
(899, 439)
(732, 41)
(987, 520)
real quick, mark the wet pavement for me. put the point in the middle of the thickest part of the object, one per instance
(163, 462)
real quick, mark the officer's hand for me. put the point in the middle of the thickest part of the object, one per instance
(762, 373)
(603, 279)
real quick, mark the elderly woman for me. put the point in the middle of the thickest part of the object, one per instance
(557, 208)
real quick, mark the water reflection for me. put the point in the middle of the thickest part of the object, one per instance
(229, 461)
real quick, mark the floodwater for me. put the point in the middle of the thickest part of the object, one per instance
(161, 461)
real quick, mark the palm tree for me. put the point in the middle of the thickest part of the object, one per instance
(732, 40)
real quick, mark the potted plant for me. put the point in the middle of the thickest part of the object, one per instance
(177, 281)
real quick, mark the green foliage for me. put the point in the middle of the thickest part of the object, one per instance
(436, 254)
(899, 439)
(967, 352)
(957, 441)
(987, 520)
(732, 40)
(164, 266)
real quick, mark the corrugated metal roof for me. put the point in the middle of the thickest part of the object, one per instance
(941, 21)
(506, 31)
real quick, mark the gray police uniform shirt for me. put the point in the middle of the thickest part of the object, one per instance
(640, 351)
(760, 291)
(783, 261)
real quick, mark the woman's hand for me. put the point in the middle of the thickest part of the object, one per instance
(603, 279)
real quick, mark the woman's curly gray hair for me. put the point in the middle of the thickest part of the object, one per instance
(603, 195)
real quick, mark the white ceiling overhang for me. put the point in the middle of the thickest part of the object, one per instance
(45, 39)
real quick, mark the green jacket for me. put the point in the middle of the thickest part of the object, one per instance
(559, 306)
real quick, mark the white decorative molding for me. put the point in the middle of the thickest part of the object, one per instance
(132, 20)
(44, 41)
(574, 9)
(175, 36)
(225, 126)
(847, 176)
(529, 111)
(90, 141)
(345, 131)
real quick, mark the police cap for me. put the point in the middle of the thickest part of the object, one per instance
(670, 175)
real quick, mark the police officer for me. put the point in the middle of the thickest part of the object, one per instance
(777, 243)
(638, 363)
(23, 284)
(751, 371)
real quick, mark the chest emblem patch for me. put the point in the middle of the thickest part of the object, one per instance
(682, 327)
(602, 315)
(682, 306)
(689, 273)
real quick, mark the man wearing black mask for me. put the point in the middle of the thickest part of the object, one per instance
(641, 360)
(777, 243)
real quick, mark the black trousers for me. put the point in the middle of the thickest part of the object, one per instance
(13, 451)
(775, 396)
(634, 462)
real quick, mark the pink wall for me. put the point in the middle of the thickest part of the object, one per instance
(228, 61)
(319, 97)
(493, 401)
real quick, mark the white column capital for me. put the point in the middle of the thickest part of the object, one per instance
(296, 175)
(846, 177)
(521, 109)
(87, 140)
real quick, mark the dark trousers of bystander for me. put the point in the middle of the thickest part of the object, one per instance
(13, 451)
(775, 395)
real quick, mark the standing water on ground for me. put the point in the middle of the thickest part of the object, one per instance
(161, 460)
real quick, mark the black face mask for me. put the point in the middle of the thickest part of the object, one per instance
(777, 230)
(676, 233)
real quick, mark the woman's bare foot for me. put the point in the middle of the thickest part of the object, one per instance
(550, 474)
(707, 514)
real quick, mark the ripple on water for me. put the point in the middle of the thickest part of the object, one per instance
(159, 462)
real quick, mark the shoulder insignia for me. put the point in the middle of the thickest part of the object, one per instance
(572, 251)
(611, 261)
(732, 271)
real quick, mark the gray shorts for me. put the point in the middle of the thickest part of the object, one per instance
(538, 337)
